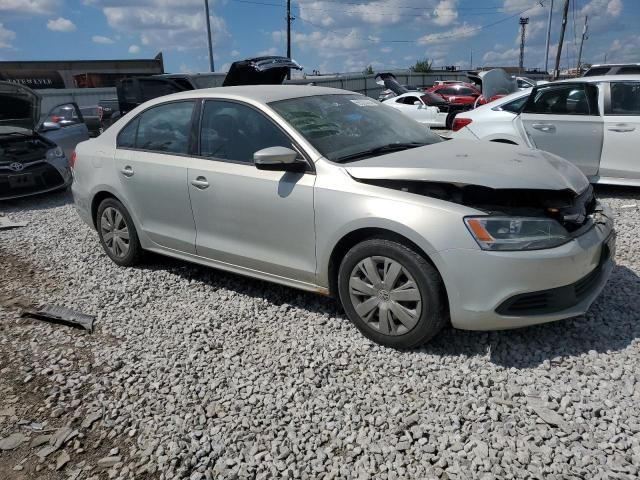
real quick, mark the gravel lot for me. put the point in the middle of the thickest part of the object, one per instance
(194, 373)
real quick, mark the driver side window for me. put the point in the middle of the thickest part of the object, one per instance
(232, 131)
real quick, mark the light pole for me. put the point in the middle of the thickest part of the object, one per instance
(206, 11)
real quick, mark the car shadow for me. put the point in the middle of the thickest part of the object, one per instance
(612, 323)
(42, 201)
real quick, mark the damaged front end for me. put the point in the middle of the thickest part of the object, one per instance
(575, 212)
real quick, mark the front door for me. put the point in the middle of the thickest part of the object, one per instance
(620, 157)
(72, 129)
(151, 163)
(564, 119)
(255, 219)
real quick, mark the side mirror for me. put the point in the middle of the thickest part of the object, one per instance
(48, 126)
(417, 102)
(281, 159)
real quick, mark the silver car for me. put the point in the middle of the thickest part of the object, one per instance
(332, 192)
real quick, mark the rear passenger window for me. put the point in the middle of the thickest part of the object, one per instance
(625, 98)
(564, 100)
(232, 131)
(166, 128)
(127, 136)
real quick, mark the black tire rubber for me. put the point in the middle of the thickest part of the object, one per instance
(134, 256)
(434, 314)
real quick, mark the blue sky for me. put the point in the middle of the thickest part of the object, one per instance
(328, 35)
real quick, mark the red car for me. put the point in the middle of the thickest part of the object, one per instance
(457, 94)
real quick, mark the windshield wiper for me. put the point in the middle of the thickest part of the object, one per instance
(390, 147)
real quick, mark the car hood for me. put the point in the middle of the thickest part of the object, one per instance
(20, 107)
(260, 71)
(466, 162)
(388, 80)
(494, 82)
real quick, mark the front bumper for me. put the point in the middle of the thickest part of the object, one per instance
(545, 285)
(43, 177)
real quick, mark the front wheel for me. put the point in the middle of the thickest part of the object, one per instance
(117, 233)
(392, 295)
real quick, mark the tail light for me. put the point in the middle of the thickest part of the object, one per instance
(459, 123)
(72, 160)
(55, 118)
(100, 113)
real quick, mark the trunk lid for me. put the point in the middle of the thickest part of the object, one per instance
(494, 82)
(465, 162)
(260, 71)
(20, 107)
(389, 81)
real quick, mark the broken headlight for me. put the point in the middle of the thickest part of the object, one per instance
(516, 233)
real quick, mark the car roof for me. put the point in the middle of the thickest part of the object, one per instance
(602, 78)
(259, 93)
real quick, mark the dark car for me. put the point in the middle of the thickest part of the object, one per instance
(30, 162)
(613, 69)
(109, 112)
(93, 119)
(254, 71)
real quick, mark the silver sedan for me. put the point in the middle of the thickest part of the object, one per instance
(333, 192)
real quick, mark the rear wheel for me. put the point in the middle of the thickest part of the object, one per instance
(117, 233)
(392, 294)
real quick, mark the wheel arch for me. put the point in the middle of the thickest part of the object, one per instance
(359, 235)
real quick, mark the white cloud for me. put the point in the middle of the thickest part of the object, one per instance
(529, 8)
(596, 8)
(234, 53)
(6, 36)
(101, 39)
(457, 33)
(267, 52)
(41, 7)
(133, 49)
(445, 13)
(386, 49)
(163, 24)
(61, 25)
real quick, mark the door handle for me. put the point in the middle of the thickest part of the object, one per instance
(544, 127)
(127, 171)
(621, 127)
(200, 182)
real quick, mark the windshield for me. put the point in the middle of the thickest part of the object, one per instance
(341, 126)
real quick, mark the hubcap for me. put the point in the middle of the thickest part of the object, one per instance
(385, 295)
(115, 232)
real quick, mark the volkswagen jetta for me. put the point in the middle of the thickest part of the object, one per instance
(333, 192)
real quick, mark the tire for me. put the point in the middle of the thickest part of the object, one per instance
(450, 118)
(410, 322)
(110, 212)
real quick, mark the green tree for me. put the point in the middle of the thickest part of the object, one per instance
(368, 70)
(422, 66)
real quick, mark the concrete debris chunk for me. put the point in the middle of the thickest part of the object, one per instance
(60, 437)
(8, 412)
(63, 459)
(91, 419)
(39, 440)
(108, 462)
(6, 223)
(13, 441)
(44, 452)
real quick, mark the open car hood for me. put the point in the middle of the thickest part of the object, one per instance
(466, 162)
(19, 106)
(260, 71)
(389, 81)
(494, 82)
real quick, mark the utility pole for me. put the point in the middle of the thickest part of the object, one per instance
(206, 12)
(584, 37)
(471, 59)
(289, 18)
(546, 56)
(565, 11)
(524, 21)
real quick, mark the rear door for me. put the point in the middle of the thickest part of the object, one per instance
(564, 119)
(151, 159)
(620, 157)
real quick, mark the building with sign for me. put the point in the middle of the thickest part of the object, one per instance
(77, 73)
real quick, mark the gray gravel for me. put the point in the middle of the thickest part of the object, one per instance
(194, 373)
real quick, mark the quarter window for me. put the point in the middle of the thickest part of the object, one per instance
(564, 100)
(232, 131)
(625, 98)
(166, 128)
(127, 136)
